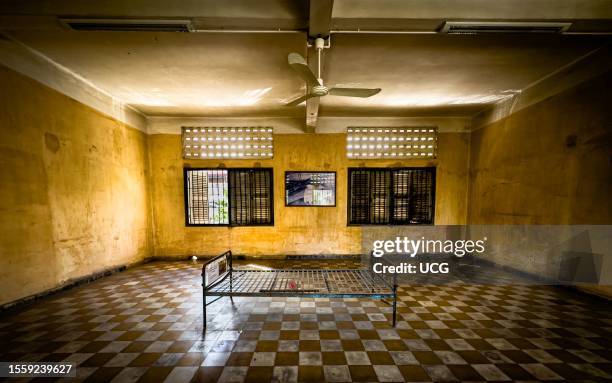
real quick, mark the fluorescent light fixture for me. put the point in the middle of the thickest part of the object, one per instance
(127, 25)
(473, 27)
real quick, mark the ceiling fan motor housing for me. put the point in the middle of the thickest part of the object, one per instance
(320, 90)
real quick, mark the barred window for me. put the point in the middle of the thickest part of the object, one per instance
(250, 197)
(402, 196)
(235, 197)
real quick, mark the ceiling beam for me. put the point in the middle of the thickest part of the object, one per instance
(320, 18)
(319, 25)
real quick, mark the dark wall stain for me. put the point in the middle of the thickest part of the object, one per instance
(571, 141)
(52, 142)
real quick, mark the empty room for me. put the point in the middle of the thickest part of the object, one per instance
(305, 191)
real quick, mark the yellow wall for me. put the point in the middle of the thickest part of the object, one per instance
(73, 196)
(77, 198)
(550, 163)
(297, 230)
(81, 192)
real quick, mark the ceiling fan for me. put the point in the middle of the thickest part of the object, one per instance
(315, 83)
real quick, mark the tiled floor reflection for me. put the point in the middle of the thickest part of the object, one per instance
(145, 325)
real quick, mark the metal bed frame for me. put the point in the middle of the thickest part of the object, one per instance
(220, 279)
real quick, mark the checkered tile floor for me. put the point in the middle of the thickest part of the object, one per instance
(145, 325)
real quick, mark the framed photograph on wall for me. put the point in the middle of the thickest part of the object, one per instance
(310, 188)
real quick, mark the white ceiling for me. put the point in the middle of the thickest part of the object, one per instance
(441, 74)
(181, 73)
(472, 9)
(220, 74)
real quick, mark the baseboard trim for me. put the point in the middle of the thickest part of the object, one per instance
(262, 257)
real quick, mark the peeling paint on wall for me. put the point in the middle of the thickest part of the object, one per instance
(74, 198)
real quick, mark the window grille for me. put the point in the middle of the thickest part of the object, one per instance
(236, 197)
(401, 196)
(251, 197)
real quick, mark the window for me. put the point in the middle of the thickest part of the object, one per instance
(402, 196)
(235, 197)
(251, 197)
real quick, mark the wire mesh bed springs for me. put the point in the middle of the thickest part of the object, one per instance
(220, 279)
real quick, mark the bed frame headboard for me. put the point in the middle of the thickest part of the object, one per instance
(216, 269)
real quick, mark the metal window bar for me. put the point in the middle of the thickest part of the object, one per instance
(251, 197)
(421, 199)
(401, 196)
(380, 196)
(261, 197)
(228, 197)
(360, 196)
(391, 196)
(239, 195)
(206, 197)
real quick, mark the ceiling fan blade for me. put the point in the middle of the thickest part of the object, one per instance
(300, 99)
(354, 92)
(298, 63)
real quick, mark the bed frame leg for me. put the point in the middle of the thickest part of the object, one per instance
(204, 312)
(231, 275)
(204, 317)
(394, 305)
(203, 300)
(394, 299)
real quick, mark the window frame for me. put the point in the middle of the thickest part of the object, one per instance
(350, 170)
(229, 198)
